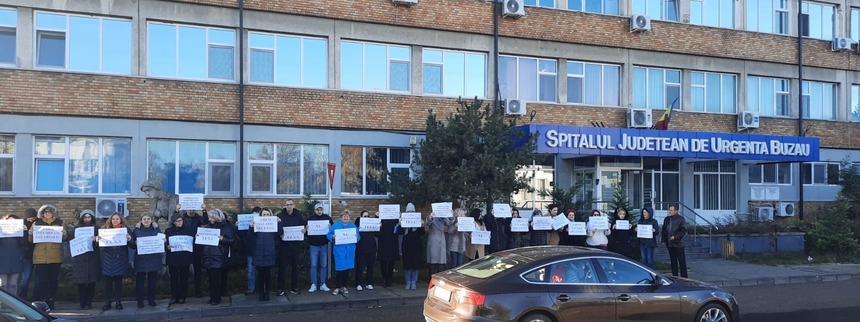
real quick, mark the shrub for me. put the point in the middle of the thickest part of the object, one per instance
(831, 233)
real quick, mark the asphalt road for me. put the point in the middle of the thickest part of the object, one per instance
(812, 302)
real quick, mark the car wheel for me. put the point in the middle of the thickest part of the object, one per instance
(536, 317)
(713, 313)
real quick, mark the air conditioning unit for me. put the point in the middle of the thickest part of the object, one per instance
(639, 118)
(748, 120)
(841, 44)
(107, 206)
(405, 2)
(515, 107)
(785, 209)
(513, 8)
(764, 213)
(640, 23)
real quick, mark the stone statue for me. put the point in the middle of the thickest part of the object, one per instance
(163, 203)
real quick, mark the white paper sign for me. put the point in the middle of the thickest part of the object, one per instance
(542, 223)
(598, 222)
(465, 224)
(11, 228)
(180, 243)
(644, 231)
(519, 225)
(389, 211)
(622, 225)
(207, 236)
(443, 209)
(480, 237)
(85, 232)
(266, 224)
(48, 234)
(345, 236)
(80, 245)
(576, 228)
(318, 227)
(293, 233)
(150, 245)
(559, 221)
(410, 220)
(245, 220)
(370, 224)
(191, 201)
(502, 210)
(113, 237)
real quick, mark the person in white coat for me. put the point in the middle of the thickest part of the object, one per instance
(597, 237)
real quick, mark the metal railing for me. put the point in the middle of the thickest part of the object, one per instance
(694, 217)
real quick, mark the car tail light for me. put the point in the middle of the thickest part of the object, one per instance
(471, 298)
(432, 283)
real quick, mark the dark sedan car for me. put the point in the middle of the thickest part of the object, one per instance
(566, 284)
(13, 309)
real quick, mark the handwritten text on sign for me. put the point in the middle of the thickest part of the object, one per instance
(85, 232)
(465, 224)
(80, 245)
(48, 234)
(370, 224)
(519, 225)
(266, 224)
(542, 223)
(150, 245)
(645, 231)
(244, 221)
(318, 227)
(442, 209)
(576, 228)
(410, 220)
(389, 211)
(345, 236)
(11, 228)
(502, 210)
(598, 222)
(189, 201)
(480, 237)
(293, 233)
(207, 236)
(113, 237)
(181, 243)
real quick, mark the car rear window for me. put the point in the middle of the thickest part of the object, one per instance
(489, 266)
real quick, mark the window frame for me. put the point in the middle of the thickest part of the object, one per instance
(537, 76)
(705, 86)
(11, 157)
(808, 99)
(583, 7)
(666, 85)
(855, 103)
(777, 169)
(209, 45)
(603, 69)
(537, 3)
(66, 158)
(775, 14)
(13, 29)
(274, 50)
(809, 170)
(703, 6)
(207, 168)
(65, 33)
(273, 165)
(700, 198)
(854, 23)
(388, 61)
(664, 9)
(826, 34)
(466, 78)
(772, 110)
(364, 167)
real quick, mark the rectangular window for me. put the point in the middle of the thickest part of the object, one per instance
(855, 103)
(82, 165)
(714, 13)
(656, 87)
(666, 182)
(191, 52)
(192, 166)
(8, 25)
(454, 73)
(287, 169)
(288, 60)
(819, 100)
(855, 24)
(713, 92)
(817, 19)
(768, 96)
(593, 84)
(375, 67)
(609, 7)
(821, 173)
(714, 185)
(83, 43)
(364, 168)
(657, 9)
(770, 173)
(7, 162)
(529, 79)
(540, 3)
(770, 16)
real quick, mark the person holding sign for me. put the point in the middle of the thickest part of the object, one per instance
(365, 253)
(647, 245)
(245, 234)
(344, 253)
(146, 267)
(538, 236)
(11, 253)
(288, 251)
(437, 250)
(318, 249)
(456, 240)
(193, 220)
(565, 238)
(388, 248)
(552, 236)
(215, 257)
(620, 242)
(516, 236)
(47, 256)
(86, 267)
(596, 234)
(114, 262)
(178, 261)
(264, 244)
(474, 251)
(674, 230)
(413, 255)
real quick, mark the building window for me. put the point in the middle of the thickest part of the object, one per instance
(819, 100)
(713, 92)
(83, 43)
(541, 3)
(454, 73)
(82, 165)
(770, 16)
(657, 9)
(374, 67)
(364, 168)
(666, 182)
(656, 87)
(609, 7)
(714, 13)
(287, 169)
(714, 185)
(855, 24)
(529, 79)
(8, 25)
(770, 173)
(768, 96)
(593, 84)
(7, 162)
(820, 173)
(288, 60)
(191, 52)
(192, 166)
(817, 19)
(855, 103)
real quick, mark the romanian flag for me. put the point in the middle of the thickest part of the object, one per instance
(663, 122)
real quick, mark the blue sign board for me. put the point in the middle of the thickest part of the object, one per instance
(565, 139)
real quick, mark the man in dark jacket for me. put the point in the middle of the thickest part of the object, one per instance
(193, 220)
(318, 251)
(288, 251)
(674, 230)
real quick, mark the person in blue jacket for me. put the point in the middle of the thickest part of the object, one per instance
(146, 266)
(264, 254)
(344, 254)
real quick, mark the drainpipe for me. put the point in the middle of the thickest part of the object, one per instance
(497, 96)
(800, 99)
(241, 105)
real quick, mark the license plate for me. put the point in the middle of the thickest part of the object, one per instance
(442, 293)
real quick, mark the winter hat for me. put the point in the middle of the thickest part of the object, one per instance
(87, 212)
(44, 207)
(30, 213)
(410, 207)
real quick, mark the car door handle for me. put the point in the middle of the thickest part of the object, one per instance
(624, 297)
(563, 298)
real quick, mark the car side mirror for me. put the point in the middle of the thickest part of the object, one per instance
(41, 306)
(658, 280)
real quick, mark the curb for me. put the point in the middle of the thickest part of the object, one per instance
(784, 280)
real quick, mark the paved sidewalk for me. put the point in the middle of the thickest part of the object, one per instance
(717, 271)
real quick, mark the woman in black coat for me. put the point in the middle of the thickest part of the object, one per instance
(365, 254)
(86, 267)
(178, 261)
(620, 242)
(215, 257)
(265, 254)
(146, 267)
(388, 249)
(12, 264)
(413, 254)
